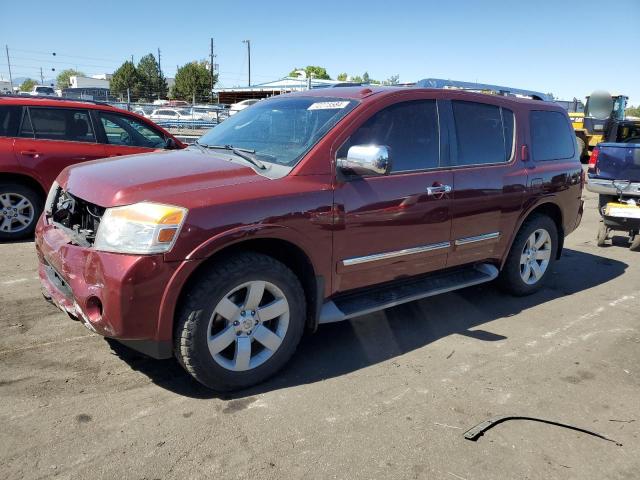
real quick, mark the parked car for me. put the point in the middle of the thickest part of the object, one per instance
(164, 114)
(236, 107)
(614, 174)
(210, 112)
(42, 90)
(40, 136)
(306, 209)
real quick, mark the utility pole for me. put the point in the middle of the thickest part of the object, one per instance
(41, 77)
(159, 74)
(248, 42)
(131, 59)
(211, 65)
(9, 65)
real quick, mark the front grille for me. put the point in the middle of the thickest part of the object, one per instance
(79, 217)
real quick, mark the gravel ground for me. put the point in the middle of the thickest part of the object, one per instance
(384, 396)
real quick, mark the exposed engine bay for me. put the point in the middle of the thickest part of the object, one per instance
(79, 218)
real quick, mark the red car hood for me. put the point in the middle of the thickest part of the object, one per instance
(164, 176)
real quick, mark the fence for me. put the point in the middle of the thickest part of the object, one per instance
(188, 123)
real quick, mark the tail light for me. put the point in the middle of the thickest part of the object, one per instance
(593, 159)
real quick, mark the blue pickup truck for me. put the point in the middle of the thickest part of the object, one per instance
(614, 174)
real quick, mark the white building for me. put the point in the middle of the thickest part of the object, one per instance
(5, 86)
(76, 81)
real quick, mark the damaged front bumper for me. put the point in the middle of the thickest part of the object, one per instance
(114, 295)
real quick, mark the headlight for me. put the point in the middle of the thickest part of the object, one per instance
(140, 228)
(53, 191)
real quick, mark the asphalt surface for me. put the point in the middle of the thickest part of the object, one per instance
(384, 396)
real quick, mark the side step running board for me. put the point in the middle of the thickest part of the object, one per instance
(386, 296)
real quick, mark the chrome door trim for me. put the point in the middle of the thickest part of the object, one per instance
(477, 238)
(397, 253)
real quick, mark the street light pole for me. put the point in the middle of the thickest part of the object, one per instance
(248, 42)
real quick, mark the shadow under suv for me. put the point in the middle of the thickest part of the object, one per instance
(40, 136)
(306, 209)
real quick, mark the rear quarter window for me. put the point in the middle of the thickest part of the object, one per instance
(552, 137)
(10, 120)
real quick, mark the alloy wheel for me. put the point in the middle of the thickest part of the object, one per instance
(16, 212)
(248, 325)
(535, 256)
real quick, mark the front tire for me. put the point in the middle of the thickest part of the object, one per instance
(240, 322)
(531, 257)
(20, 208)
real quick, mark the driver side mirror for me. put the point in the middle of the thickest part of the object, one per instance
(170, 143)
(366, 160)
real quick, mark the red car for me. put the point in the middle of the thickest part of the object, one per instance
(305, 209)
(40, 136)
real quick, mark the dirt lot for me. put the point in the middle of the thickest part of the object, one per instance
(385, 396)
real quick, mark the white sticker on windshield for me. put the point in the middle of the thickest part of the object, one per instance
(327, 105)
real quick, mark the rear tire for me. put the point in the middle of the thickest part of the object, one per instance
(582, 148)
(603, 234)
(240, 322)
(531, 257)
(20, 208)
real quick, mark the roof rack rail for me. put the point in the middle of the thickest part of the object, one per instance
(482, 87)
(47, 97)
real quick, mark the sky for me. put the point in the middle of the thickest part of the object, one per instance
(568, 48)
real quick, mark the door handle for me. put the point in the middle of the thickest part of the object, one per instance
(439, 189)
(30, 153)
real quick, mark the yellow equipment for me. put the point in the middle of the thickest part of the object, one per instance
(601, 121)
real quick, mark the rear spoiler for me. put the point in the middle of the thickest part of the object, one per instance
(482, 88)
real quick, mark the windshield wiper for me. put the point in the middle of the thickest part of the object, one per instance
(243, 153)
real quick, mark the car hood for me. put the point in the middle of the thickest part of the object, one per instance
(166, 176)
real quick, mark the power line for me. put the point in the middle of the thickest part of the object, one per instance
(56, 54)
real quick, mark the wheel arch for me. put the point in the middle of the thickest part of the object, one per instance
(26, 180)
(294, 256)
(551, 210)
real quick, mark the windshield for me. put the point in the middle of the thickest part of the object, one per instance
(280, 130)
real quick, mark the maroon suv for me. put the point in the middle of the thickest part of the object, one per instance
(40, 136)
(306, 209)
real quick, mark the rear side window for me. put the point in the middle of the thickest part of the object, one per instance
(409, 129)
(10, 120)
(484, 133)
(551, 136)
(62, 124)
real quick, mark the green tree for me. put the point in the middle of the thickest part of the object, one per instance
(392, 80)
(125, 77)
(62, 80)
(28, 85)
(633, 111)
(312, 71)
(366, 78)
(342, 77)
(357, 79)
(152, 82)
(193, 82)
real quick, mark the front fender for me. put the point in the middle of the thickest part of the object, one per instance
(209, 248)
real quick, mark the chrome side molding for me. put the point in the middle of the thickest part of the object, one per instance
(397, 253)
(478, 238)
